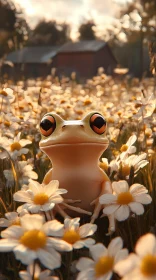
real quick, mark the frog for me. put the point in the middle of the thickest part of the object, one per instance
(74, 148)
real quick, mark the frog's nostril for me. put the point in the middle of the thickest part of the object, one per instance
(70, 126)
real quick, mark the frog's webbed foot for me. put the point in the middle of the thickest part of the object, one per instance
(72, 201)
(61, 207)
(111, 228)
(76, 209)
(97, 210)
(61, 211)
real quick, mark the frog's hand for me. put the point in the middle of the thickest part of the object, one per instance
(48, 177)
(106, 188)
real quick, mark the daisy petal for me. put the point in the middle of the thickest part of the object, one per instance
(13, 232)
(30, 222)
(53, 228)
(87, 274)
(87, 230)
(84, 243)
(107, 199)
(143, 198)
(136, 208)
(122, 254)
(49, 260)
(110, 209)
(137, 189)
(58, 244)
(98, 250)
(125, 266)
(24, 254)
(122, 213)
(114, 246)
(120, 186)
(24, 275)
(146, 245)
(84, 263)
(7, 245)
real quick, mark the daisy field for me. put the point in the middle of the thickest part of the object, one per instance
(45, 235)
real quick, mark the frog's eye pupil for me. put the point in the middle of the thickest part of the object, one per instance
(47, 125)
(98, 123)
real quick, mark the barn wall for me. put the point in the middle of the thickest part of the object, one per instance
(104, 58)
(81, 63)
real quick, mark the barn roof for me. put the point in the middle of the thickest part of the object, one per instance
(32, 55)
(82, 46)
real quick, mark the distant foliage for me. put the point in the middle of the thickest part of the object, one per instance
(49, 33)
(86, 31)
(13, 27)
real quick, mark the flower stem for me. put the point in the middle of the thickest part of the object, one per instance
(3, 204)
(14, 173)
(70, 257)
(130, 235)
(33, 272)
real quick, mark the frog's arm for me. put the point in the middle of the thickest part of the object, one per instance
(106, 188)
(48, 177)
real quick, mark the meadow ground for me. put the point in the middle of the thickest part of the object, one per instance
(36, 245)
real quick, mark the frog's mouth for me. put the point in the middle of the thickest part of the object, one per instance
(50, 145)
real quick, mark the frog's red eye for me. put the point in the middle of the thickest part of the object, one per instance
(47, 125)
(98, 123)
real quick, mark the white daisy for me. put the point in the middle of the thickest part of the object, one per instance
(12, 218)
(24, 173)
(125, 199)
(76, 235)
(38, 274)
(16, 146)
(128, 148)
(31, 241)
(135, 161)
(7, 94)
(142, 264)
(39, 197)
(104, 259)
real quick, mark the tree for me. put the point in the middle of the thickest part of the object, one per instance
(49, 33)
(138, 25)
(13, 27)
(86, 31)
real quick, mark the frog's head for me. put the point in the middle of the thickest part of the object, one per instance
(89, 131)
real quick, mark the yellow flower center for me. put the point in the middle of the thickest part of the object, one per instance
(148, 266)
(103, 265)
(34, 239)
(124, 148)
(16, 222)
(15, 146)
(87, 102)
(104, 166)
(3, 92)
(41, 198)
(71, 236)
(7, 123)
(125, 169)
(124, 198)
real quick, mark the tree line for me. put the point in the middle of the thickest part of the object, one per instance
(137, 27)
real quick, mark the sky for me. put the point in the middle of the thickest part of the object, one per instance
(74, 12)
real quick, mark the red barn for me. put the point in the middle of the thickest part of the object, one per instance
(84, 58)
